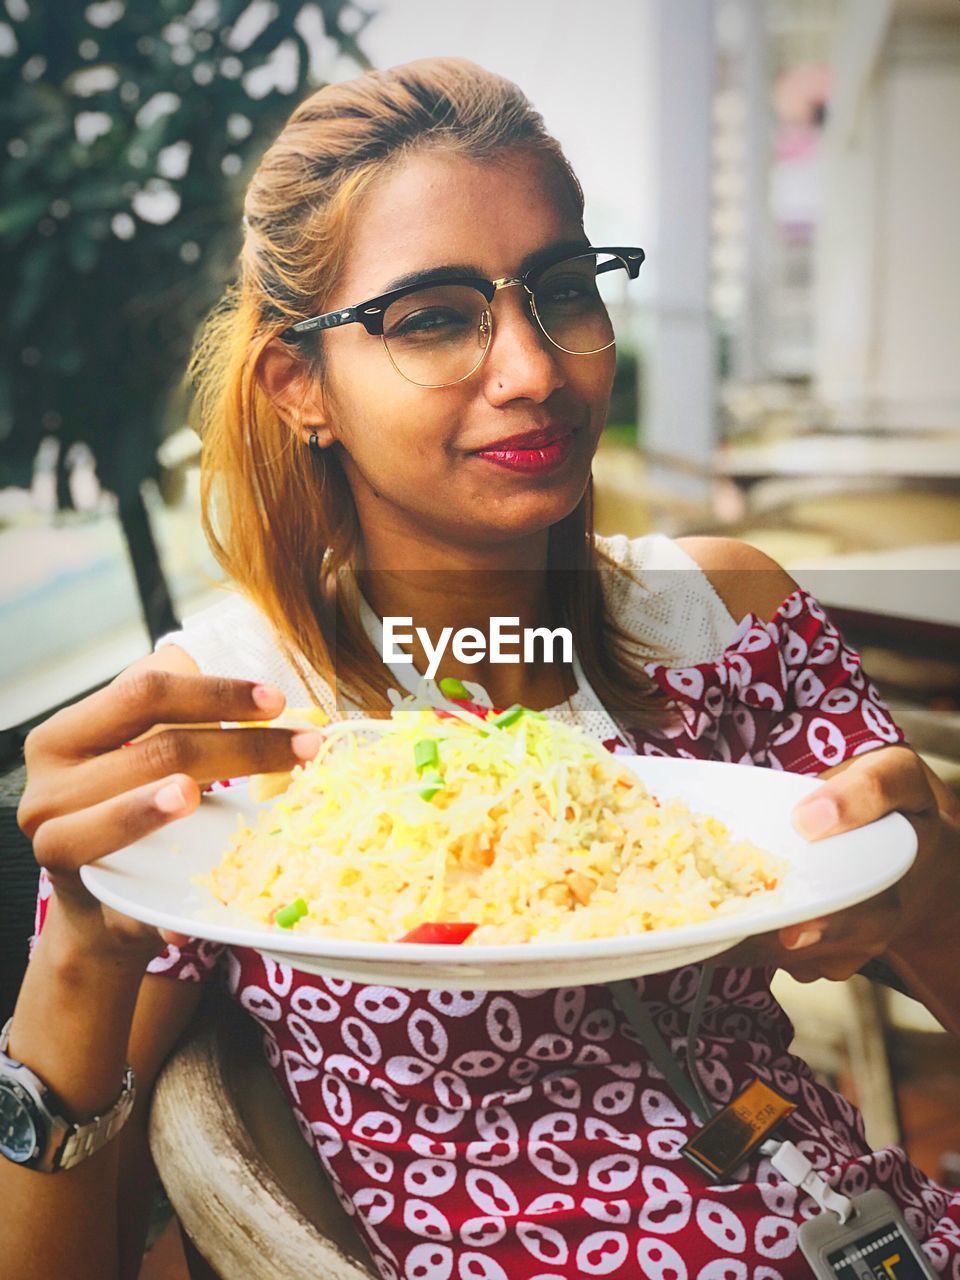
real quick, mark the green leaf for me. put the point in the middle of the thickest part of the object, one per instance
(35, 278)
(22, 215)
(105, 193)
(114, 319)
(82, 251)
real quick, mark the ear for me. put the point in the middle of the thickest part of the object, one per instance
(296, 396)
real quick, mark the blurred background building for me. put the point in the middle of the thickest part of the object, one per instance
(789, 365)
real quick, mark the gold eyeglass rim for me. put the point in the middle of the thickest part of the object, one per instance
(371, 312)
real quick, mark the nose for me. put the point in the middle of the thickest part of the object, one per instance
(521, 361)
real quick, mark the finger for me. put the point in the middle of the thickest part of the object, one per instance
(66, 843)
(141, 698)
(797, 937)
(173, 939)
(207, 755)
(884, 781)
(835, 968)
(867, 925)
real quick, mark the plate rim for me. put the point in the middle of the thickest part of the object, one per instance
(668, 939)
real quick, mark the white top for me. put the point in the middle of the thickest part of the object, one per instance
(672, 610)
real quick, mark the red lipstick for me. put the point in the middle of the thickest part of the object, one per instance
(533, 451)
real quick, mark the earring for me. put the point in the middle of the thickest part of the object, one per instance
(314, 444)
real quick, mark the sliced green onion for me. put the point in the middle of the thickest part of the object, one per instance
(505, 718)
(286, 917)
(426, 754)
(451, 687)
(432, 783)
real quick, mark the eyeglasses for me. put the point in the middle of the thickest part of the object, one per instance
(438, 332)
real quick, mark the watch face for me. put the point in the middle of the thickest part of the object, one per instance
(18, 1132)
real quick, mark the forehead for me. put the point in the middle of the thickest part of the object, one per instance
(434, 209)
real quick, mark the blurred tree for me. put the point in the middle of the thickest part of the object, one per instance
(127, 130)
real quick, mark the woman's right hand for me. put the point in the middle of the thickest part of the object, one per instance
(100, 775)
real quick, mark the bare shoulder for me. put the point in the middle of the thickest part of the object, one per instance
(746, 579)
(169, 657)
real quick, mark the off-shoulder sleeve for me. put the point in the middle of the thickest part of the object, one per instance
(195, 961)
(786, 694)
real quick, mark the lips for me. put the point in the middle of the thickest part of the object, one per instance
(540, 451)
(538, 439)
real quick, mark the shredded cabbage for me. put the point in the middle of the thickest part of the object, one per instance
(535, 831)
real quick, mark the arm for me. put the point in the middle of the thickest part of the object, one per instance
(86, 1006)
(914, 928)
(90, 1221)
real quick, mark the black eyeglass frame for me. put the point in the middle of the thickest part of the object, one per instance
(371, 312)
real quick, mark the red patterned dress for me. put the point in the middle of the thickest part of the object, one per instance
(526, 1135)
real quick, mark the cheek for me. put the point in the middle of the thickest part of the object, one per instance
(593, 379)
(609, 370)
(368, 405)
(390, 431)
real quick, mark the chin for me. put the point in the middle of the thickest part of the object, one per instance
(539, 515)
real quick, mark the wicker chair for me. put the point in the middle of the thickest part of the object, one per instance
(248, 1192)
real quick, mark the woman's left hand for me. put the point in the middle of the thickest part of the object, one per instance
(915, 925)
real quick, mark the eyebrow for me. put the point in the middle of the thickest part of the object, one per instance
(457, 270)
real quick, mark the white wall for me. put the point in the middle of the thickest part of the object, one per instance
(582, 66)
(918, 300)
(888, 264)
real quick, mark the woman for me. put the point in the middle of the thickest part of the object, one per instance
(459, 449)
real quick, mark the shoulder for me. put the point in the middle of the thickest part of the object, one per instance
(229, 626)
(170, 658)
(746, 579)
(685, 598)
(228, 613)
(650, 553)
(234, 638)
(656, 593)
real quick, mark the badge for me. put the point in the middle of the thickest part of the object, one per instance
(724, 1142)
(875, 1244)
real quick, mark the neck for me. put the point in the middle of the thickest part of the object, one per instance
(458, 587)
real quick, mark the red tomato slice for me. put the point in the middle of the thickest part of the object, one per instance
(475, 707)
(439, 931)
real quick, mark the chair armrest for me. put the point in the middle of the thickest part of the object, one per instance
(247, 1189)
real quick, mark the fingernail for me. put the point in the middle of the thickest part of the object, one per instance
(805, 938)
(305, 745)
(170, 799)
(266, 697)
(816, 816)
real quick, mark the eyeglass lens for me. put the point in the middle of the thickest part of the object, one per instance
(438, 334)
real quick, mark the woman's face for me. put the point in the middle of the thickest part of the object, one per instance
(413, 454)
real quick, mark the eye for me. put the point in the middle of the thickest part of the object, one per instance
(566, 289)
(567, 293)
(429, 320)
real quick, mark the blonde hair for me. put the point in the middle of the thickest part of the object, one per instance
(281, 519)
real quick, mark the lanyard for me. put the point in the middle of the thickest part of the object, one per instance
(784, 1156)
(686, 1085)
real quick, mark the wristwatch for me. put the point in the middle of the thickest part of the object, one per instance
(35, 1134)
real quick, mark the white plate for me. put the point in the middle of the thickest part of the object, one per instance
(152, 881)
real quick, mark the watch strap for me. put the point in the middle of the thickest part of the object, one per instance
(77, 1141)
(84, 1139)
